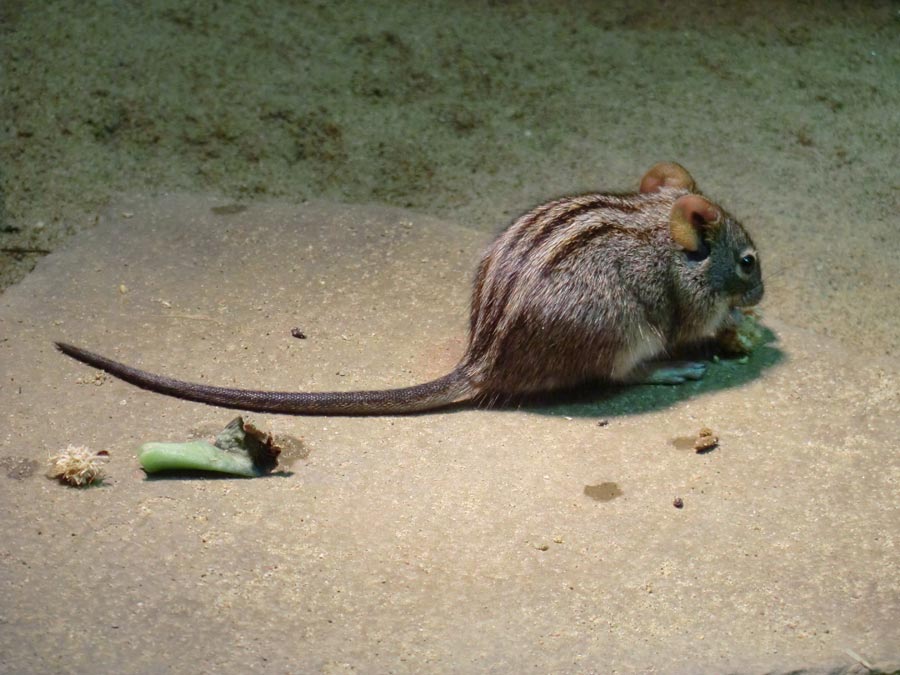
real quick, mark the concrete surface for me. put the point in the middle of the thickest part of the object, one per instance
(539, 539)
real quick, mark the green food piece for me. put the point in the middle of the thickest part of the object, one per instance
(196, 456)
(240, 450)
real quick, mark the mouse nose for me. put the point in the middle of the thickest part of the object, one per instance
(753, 296)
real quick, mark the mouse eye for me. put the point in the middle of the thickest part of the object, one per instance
(747, 263)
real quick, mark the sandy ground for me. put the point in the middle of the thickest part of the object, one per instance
(471, 113)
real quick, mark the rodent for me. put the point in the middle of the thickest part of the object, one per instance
(592, 287)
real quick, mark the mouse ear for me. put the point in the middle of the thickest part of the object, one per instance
(667, 174)
(691, 216)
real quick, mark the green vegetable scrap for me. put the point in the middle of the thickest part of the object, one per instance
(240, 449)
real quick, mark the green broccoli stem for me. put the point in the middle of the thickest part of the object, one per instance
(195, 455)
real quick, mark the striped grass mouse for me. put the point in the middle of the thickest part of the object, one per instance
(592, 287)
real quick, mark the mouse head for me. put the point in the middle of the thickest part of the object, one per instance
(715, 244)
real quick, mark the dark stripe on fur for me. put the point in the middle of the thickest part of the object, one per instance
(485, 324)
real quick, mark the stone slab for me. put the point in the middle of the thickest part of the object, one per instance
(534, 539)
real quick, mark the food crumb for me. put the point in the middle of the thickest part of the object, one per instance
(706, 440)
(78, 466)
(742, 335)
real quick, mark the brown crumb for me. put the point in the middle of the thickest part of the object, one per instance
(706, 440)
(678, 503)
